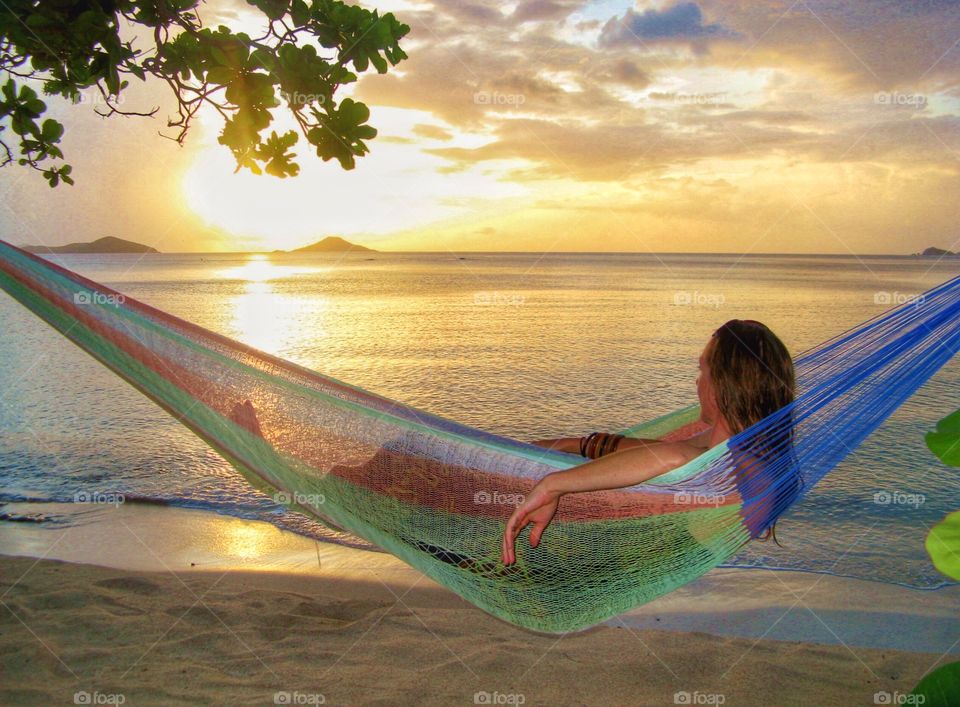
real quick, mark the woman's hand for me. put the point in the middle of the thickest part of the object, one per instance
(611, 471)
(538, 508)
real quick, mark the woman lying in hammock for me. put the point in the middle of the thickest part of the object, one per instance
(746, 374)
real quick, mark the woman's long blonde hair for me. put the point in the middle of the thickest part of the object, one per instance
(753, 376)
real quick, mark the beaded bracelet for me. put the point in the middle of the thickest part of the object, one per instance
(610, 444)
(598, 444)
(584, 441)
(591, 446)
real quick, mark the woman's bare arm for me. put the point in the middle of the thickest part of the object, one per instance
(617, 470)
(622, 468)
(560, 444)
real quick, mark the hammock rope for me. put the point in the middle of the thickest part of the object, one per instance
(437, 493)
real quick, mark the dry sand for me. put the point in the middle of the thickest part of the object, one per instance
(162, 605)
(240, 637)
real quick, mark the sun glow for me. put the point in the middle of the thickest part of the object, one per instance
(247, 540)
(397, 187)
(259, 268)
(268, 314)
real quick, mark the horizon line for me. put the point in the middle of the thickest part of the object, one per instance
(370, 250)
(533, 252)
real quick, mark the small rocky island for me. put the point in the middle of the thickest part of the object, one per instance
(332, 244)
(108, 244)
(938, 252)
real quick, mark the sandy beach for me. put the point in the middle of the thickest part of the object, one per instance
(335, 625)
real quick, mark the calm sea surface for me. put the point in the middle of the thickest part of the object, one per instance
(525, 345)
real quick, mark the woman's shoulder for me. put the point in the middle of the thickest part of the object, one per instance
(674, 453)
(690, 449)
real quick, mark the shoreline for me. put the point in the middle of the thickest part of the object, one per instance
(786, 606)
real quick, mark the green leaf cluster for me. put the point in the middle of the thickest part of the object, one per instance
(943, 540)
(309, 49)
(940, 688)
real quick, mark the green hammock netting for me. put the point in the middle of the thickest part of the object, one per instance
(437, 493)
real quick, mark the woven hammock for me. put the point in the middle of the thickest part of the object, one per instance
(437, 494)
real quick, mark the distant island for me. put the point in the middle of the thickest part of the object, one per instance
(331, 244)
(107, 244)
(936, 251)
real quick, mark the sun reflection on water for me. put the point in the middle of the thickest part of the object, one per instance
(266, 312)
(259, 268)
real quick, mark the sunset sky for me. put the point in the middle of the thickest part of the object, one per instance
(548, 125)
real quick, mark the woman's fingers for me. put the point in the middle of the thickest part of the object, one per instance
(522, 516)
(505, 544)
(536, 533)
(509, 538)
(516, 523)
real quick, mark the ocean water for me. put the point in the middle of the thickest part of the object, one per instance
(525, 345)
